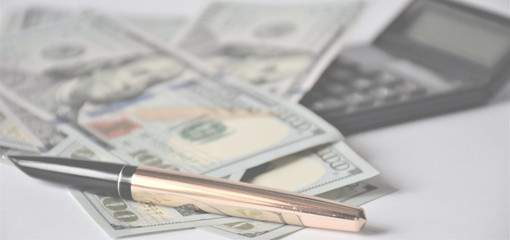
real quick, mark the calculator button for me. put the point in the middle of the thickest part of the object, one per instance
(328, 104)
(358, 99)
(361, 83)
(384, 93)
(337, 88)
(380, 92)
(410, 88)
(385, 78)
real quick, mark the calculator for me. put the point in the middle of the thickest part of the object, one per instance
(435, 57)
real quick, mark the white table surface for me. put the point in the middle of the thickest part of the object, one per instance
(451, 170)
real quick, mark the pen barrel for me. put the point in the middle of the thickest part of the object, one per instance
(213, 195)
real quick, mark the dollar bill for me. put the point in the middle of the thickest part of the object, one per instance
(281, 48)
(174, 111)
(156, 107)
(314, 171)
(164, 28)
(355, 194)
(321, 170)
(13, 134)
(116, 216)
(119, 217)
(65, 49)
(123, 218)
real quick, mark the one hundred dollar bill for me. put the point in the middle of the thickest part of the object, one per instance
(157, 106)
(123, 218)
(355, 194)
(119, 217)
(116, 216)
(65, 49)
(281, 48)
(313, 171)
(323, 170)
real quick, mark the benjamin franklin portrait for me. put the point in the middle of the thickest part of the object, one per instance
(113, 83)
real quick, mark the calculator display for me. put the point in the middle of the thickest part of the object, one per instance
(462, 35)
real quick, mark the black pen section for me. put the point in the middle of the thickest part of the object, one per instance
(82, 174)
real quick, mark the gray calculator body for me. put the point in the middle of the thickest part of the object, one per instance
(435, 57)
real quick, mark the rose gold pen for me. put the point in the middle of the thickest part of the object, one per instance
(213, 195)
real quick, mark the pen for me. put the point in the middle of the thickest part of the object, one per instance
(213, 195)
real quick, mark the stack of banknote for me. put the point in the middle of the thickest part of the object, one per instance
(213, 94)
